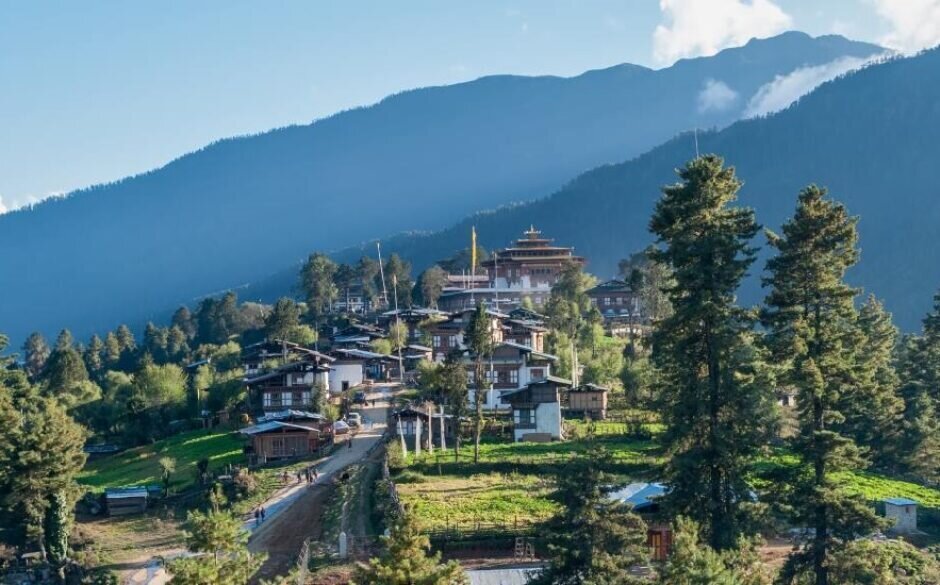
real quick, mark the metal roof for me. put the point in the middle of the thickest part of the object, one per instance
(273, 425)
(518, 576)
(639, 495)
(901, 502)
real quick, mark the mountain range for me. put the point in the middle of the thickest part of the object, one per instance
(245, 208)
(870, 137)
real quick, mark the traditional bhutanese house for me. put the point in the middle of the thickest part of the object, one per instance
(126, 500)
(414, 421)
(377, 366)
(291, 385)
(524, 332)
(353, 299)
(414, 354)
(347, 371)
(356, 336)
(615, 300)
(446, 336)
(412, 318)
(290, 433)
(588, 400)
(509, 367)
(536, 410)
(644, 499)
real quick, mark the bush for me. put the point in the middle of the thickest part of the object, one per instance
(395, 456)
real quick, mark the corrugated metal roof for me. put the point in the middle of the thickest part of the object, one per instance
(639, 495)
(519, 576)
(901, 502)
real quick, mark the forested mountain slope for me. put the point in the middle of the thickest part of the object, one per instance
(871, 137)
(239, 209)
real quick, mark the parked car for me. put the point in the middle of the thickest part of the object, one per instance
(354, 419)
(359, 397)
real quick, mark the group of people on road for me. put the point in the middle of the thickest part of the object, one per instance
(306, 475)
(259, 515)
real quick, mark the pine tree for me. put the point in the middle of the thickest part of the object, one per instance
(398, 273)
(94, 356)
(183, 319)
(35, 354)
(431, 285)
(318, 284)
(177, 344)
(156, 340)
(813, 331)
(112, 350)
(405, 560)
(452, 381)
(40, 456)
(691, 562)
(594, 540)
(367, 271)
(283, 319)
(715, 390)
(873, 408)
(569, 311)
(126, 339)
(227, 562)
(479, 338)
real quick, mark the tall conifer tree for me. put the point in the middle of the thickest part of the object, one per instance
(814, 331)
(716, 393)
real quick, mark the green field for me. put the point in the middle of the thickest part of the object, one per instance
(512, 481)
(140, 466)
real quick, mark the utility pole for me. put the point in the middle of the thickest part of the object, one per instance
(378, 246)
(401, 367)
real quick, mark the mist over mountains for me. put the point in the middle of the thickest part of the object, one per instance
(243, 209)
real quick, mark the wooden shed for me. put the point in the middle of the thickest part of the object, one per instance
(126, 500)
(588, 400)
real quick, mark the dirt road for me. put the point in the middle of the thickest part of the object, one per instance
(299, 518)
(294, 515)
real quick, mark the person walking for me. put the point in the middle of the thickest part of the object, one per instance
(257, 516)
(316, 474)
(262, 514)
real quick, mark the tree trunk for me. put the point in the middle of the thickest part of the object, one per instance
(478, 410)
(718, 516)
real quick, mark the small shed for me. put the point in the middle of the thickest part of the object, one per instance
(588, 400)
(904, 513)
(126, 500)
(644, 498)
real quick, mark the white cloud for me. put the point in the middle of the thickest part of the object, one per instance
(786, 89)
(915, 24)
(703, 27)
(3, 208)
(13, 203)
(716, 96)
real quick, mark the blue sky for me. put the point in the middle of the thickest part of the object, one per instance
(94, 91)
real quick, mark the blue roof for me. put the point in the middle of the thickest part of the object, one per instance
(639, 495)
(901, 501)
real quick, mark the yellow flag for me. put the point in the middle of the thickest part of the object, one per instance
(473, 247)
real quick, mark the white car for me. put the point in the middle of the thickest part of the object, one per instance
(354, 419)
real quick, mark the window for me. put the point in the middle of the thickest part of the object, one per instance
(471, 377)
(537, 373)
(594, 302)
(606, 301)
(513, 376)
(436, 341)
(408, 427)
(619, 300)
(452, 341)
(287, 398)
(278, 447)
(524, 417)
(267, 399)
(306, 398)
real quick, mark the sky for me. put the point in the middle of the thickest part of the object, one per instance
(94, 91)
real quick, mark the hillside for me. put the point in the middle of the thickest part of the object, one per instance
(870, 137)
(240, 209)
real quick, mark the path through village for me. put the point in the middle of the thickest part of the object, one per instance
(294, 513)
